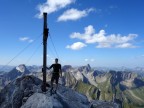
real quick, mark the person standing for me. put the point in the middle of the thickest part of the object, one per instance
(57, 72)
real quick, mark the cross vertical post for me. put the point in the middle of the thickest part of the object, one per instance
(45, 36)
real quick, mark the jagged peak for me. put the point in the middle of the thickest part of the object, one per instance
(21, 68)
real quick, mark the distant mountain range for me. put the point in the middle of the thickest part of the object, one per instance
(25, 92)
(6, 68)
(36, 68)
(122, 87)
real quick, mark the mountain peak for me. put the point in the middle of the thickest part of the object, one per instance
(26, 92)
(86, 68)
(21, 68)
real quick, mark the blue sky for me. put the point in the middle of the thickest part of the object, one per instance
(98, 32)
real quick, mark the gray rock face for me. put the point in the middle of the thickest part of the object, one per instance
(69, 80)
(38, 100)
(66, 68)
(128, 75)
(102, 104)
(65, 98)
(126, 80)
(11, 96)
(25, 92)
(16, 72)
(85, 69)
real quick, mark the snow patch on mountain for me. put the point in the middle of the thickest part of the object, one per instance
(21, 68)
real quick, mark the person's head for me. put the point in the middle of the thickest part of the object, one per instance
(56, 60)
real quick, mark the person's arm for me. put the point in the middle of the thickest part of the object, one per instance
(60, 71)
(50, 67)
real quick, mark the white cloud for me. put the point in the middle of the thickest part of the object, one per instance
(74, 14)
(103, 45)
(103, 40)
(30, 41)
(86, 60)
(26, 39)
(51, 6)
(92, 60)
(89, 60)
(125, 45)
(76, 46)
(23, 38)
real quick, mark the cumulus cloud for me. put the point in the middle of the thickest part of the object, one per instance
(76, 46)
(86, 60)
(23, 38)
(125, 45)
(30, 41)
(103, 45)
(89, 60)
(103, 40)
(26, 39)
(92, 60)
(51, 6)
(74, 14)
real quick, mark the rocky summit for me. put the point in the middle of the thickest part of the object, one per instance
(25, 92)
